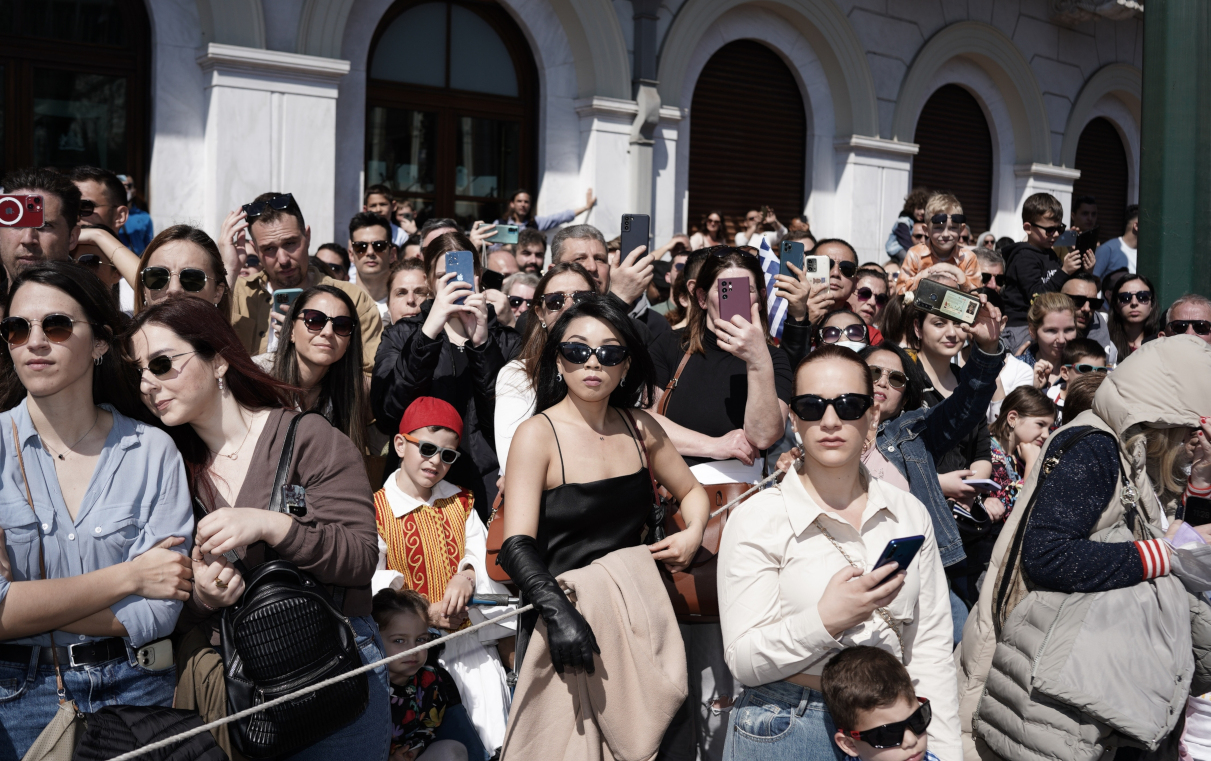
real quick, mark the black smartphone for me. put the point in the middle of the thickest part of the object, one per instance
(636, 232)
(491, 279)
(901, 552)
(1086, 241)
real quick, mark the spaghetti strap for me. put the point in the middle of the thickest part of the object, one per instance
(627, 420)
(562, 471)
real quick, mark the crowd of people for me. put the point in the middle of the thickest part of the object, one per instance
(553, 421)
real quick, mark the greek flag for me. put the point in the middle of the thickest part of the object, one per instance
(770, 265)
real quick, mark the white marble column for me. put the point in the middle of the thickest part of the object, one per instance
(873, 178)
(668, 208)
(605, 133)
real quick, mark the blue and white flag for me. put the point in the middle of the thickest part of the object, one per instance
(770, 265)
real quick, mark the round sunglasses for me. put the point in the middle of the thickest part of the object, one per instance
(855, 333)
(810, 408)
(191, 279)
(555, 301)
(892, 735)
(162, 365)
(56, 327)
(895, 378)
(315, 320)
(609, 355)
(865, 294)
(428, 449)
(1177, 327)
(1143, 297)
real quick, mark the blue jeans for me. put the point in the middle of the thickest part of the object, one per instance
(781, 721)
(28, 697)
(369, 737)
(456, 725)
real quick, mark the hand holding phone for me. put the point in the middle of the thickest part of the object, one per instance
(734, 298)
(985, 485)
(901, 552)
(792, 253)
(462, 264)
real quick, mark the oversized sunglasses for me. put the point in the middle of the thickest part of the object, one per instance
(608, 355)
(191, 279)
(56, 327)
(359, 246)
(162, 365)
(1143, 297)
(1053, 230)
(1177, 327)
(428, 449)
(555, 301)
(1082, 368)
(515, 302)
(315, 320)
(279, 201)
(1094, 302)
(855, 333)
(810, 408)
(892, 735)
(895, 378)
(940, 219)
(92, 262)
(990, 278)
(864, 294)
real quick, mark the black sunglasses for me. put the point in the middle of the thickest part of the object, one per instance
(359, 246)
(279, 201)
(252, 260)
(88, 207)
(920, 236)
(1095, 302)
(855, 333)
(428, 449)
(92, 262)
(864, 294)
(555, 301)
(895, 378)
(892, 735)
(989, 277)
(192, 279)
(609, 355)
(515, 302)
(162, 365)
(1053, 230)
(1177, 327)
(810, 408)
(1082, 368)
(56, 327)
(847, 269)
(315, 320)
(940, 219)
(1143, 297)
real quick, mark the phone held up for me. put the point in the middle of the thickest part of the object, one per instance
(504, 234)
(284, 298)
(816, 269)
(461, 263)
(934, 298)
(792, 253)
(901, 552)
(491, 280)
(21, 211)
(636, 232)
(734, 298)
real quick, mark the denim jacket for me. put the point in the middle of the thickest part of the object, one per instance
(913, 441)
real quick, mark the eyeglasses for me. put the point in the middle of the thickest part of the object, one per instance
(1094, 302)
(191, 279)
(940, 219)
(315, 320)
(162, 365)
(991, 278)
(609, 355)
(515, 302)
(864, 294)
(920, 236)
(1143, 297)
(1049, 231)
(895, 378)
(892, 735)
(847, 269)
(359, 246)
(1177, 327)
(1083, 368)
(88, 207)
(252, 260)
(810, 408)
(279, 201)
(92, 262)
(555, 301)
(855, 333)
(56, 327)
(428, 449)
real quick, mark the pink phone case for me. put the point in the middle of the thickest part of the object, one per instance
(734, 298)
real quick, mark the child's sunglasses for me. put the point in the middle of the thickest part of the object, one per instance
(428, 449)
(892, 735)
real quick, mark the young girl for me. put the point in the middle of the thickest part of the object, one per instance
(1017, 438)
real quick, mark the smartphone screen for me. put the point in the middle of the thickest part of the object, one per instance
(462, 264)
(636, 232)
(734, 298)
(792, 253)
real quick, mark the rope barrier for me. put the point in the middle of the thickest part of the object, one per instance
(756, 487)
(313, 688)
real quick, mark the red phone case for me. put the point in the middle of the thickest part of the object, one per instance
(21, 211)
(734, 298)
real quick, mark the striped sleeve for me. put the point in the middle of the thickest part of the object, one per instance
(1154, 554)
(1194, 491)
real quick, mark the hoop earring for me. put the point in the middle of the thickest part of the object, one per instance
(97, 361)
(559, 377)
(544, 326)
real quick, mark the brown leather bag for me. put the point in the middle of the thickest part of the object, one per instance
(496, 537)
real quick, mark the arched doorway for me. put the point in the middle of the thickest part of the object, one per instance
(74, 85)
(1102, 160)
(451, 120)
(955, 153)
(748, 136)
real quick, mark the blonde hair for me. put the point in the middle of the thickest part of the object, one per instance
(1046, 303)
(1164, 449)
(942, 203)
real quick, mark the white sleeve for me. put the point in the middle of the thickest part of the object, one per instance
(475, 557)
(383, 578)
(514, 405)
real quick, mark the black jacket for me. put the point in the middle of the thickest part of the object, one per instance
(409, 365)
(1029, 271)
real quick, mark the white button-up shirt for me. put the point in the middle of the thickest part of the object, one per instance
(774, 563)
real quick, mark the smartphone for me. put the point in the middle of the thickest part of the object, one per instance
(816, 268)
(1087, 241)
(734, 298)
(284, 298)
(901, 552)
(986, 485)
(1066, 239)
(157, 656)
(792, 253)
(934, 298)
(504, 234)
(491, 280)
(462, 263)
(636, 232)
(21, 211)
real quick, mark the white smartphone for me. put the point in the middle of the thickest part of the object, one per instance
(816, 268)
(986, 485)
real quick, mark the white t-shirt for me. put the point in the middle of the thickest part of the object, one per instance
(1015, 373)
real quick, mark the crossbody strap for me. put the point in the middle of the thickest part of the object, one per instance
(668, 390)
(883, 612)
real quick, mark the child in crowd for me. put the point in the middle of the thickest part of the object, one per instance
(1081, 355)
(878, 715)
(424, 699)
(433, 542)
(1078, 395)
(1026, 418)
(944, 218)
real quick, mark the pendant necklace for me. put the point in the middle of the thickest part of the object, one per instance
(236, 454)
(63, 456)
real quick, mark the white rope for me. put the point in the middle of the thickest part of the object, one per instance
(313, 688)
(756, 487)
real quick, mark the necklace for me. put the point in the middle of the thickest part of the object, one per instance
(236, 454)
(63, 455)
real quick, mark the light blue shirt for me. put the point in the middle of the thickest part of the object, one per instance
(1112, 256)
(138, 496)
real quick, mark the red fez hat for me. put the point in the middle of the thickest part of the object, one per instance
(427, 411)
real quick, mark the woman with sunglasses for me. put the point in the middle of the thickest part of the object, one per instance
(870, 296)
(798, 580)
(710, 233)
(843, 328)
(110, 517)
(230, 420)
(1134, 317)
(1052, 323)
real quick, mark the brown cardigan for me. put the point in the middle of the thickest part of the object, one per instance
(337, 540)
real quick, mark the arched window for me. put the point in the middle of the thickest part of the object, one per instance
(1103, 163)
(450, 108)
(956, 153)
(748, 136)
(74, 84)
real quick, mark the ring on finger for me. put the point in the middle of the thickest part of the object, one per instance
(220, 583)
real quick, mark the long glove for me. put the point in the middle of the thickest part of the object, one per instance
(570, 636)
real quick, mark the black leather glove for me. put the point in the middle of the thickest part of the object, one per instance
(570, 636)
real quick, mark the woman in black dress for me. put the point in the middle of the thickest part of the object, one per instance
(578, 480)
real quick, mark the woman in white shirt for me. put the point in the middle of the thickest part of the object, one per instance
(796, 585)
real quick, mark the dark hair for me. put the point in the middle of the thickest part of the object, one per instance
(437, 223)
(1003, 243)
(874, 271)
(413, 240)
(368, 219)
(818, 326)
(832, 351)
(1082, 347)
(535, 336)
(696, 330)
(197, 237)
(402, 265)
(722, 225)
(1040, 205)
(47, 180)
(1080, 201)
(1087, 277)
(800, 235)
(389, 603)
(916, 199)
(513, 197)
(895, 320)
(114, 188)
(116, 379)
(337, 249)
(1027, 401)
(210, 334)
(444, 244)
(860, 679)
(1078, 395)
(377, 190)
(271, 214)
(342, 397)
(838, 241)
(912, 399)
(1132, 212)
(636, 389)
(693, 264)
(1116, 325)
(529, 236)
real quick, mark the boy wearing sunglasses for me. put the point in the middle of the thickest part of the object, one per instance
(878, 715)
(945, 221)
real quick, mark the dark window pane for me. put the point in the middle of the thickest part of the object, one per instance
(466, 213)
(413, 48)
(402, 149)
(3, 96)
(79, 119)
(486, 152)
(97, 22)
(479, 60)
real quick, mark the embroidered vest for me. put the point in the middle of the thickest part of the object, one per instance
(427, 543)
